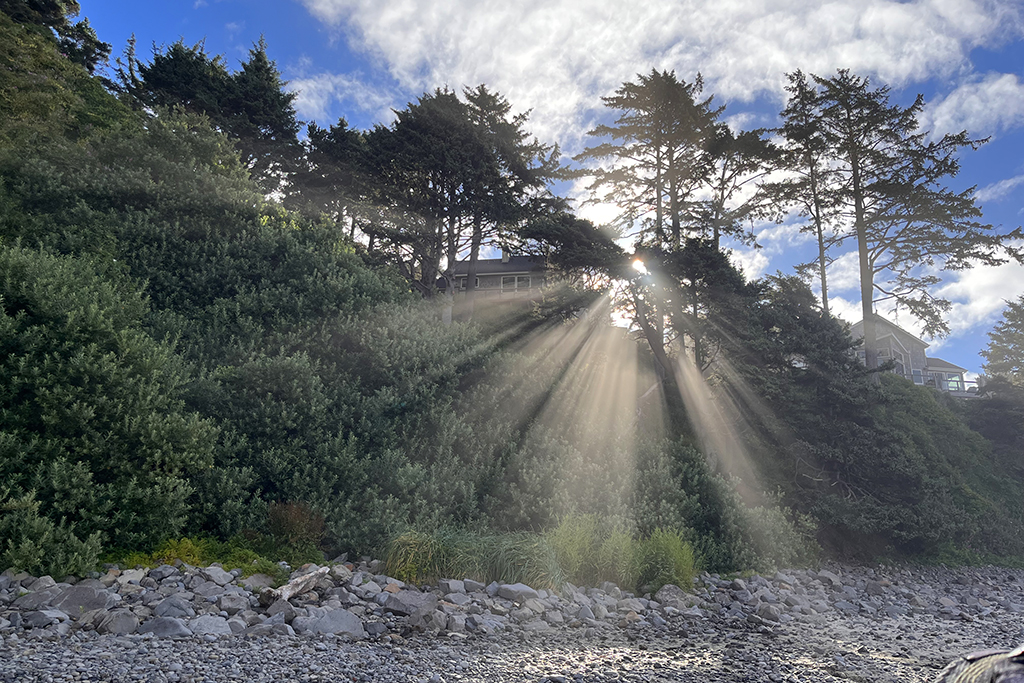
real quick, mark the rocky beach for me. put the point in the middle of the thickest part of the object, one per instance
(345, 622)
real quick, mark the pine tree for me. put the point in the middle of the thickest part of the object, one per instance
(76, 41)
(261, 117)
(250, 106)
(1005, 352)
(675, 171)
(804, 156)
(657, 156)
(888, 180)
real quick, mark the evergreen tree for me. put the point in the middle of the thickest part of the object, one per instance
(1005, 352)
(250, 106)
(517, 192)
(331, 178)
(77, 41)
(804, 156)
(261, 117)
(658, 156)
(888, 179)
(450, 175)
(675, 170)
(428, 162)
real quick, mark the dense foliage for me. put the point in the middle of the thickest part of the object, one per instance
(182, 354)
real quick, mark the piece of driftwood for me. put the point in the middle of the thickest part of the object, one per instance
(297, 586)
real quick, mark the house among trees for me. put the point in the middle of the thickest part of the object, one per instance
(911, 361)
(508, 277)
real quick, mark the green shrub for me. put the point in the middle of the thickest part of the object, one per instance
(779, 537)
(199, 551)
(35, 544)
(90, 417)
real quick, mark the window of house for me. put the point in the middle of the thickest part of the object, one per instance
(508, 281)
(918, 377)
(523, 282)
(954, 381)
(883, 353)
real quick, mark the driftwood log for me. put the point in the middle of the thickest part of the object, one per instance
(989, 666)
(297, 586)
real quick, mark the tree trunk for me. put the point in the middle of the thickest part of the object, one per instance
(820, 230)
(659, 189)
(673, 189)
(867, 287)
(697, 353)
(474, 256)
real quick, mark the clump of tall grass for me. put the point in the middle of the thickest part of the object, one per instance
(583, 549)
(664, 557)
(592, 550)
(421, 557)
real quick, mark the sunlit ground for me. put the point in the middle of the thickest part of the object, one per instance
(904, 650)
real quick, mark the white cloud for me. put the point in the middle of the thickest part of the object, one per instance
(778, 237)
(752, 262)
(846, 310)
(557, 57)
(843, 275)
(315, 94)
(979, 296)
(997, 191)
(982, 107)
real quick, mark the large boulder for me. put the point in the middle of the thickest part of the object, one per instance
(410, 603)
(517, 592)
(77, 600)
(129, 575)
(452, 586)
(43, 618)
(339, 622)
(208, 589)
(670, 592)
(164, 571)
(119, 621)
(217, 575)
(284, 608)
(210, 624)
(232, 603)
(166, 627)
(174, 606)
(37, 600)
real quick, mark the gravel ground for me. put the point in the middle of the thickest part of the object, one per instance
(829, 648)
(713, 646)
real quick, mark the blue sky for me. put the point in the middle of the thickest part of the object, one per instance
(357, 59)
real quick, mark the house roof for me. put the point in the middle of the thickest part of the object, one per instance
(939, 364)
(495, 266)
(857, 329)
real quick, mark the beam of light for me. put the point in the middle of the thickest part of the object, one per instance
(639, 266)
(715, 424)
(572, 391)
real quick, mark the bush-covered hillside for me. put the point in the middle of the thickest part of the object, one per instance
(184, 355)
